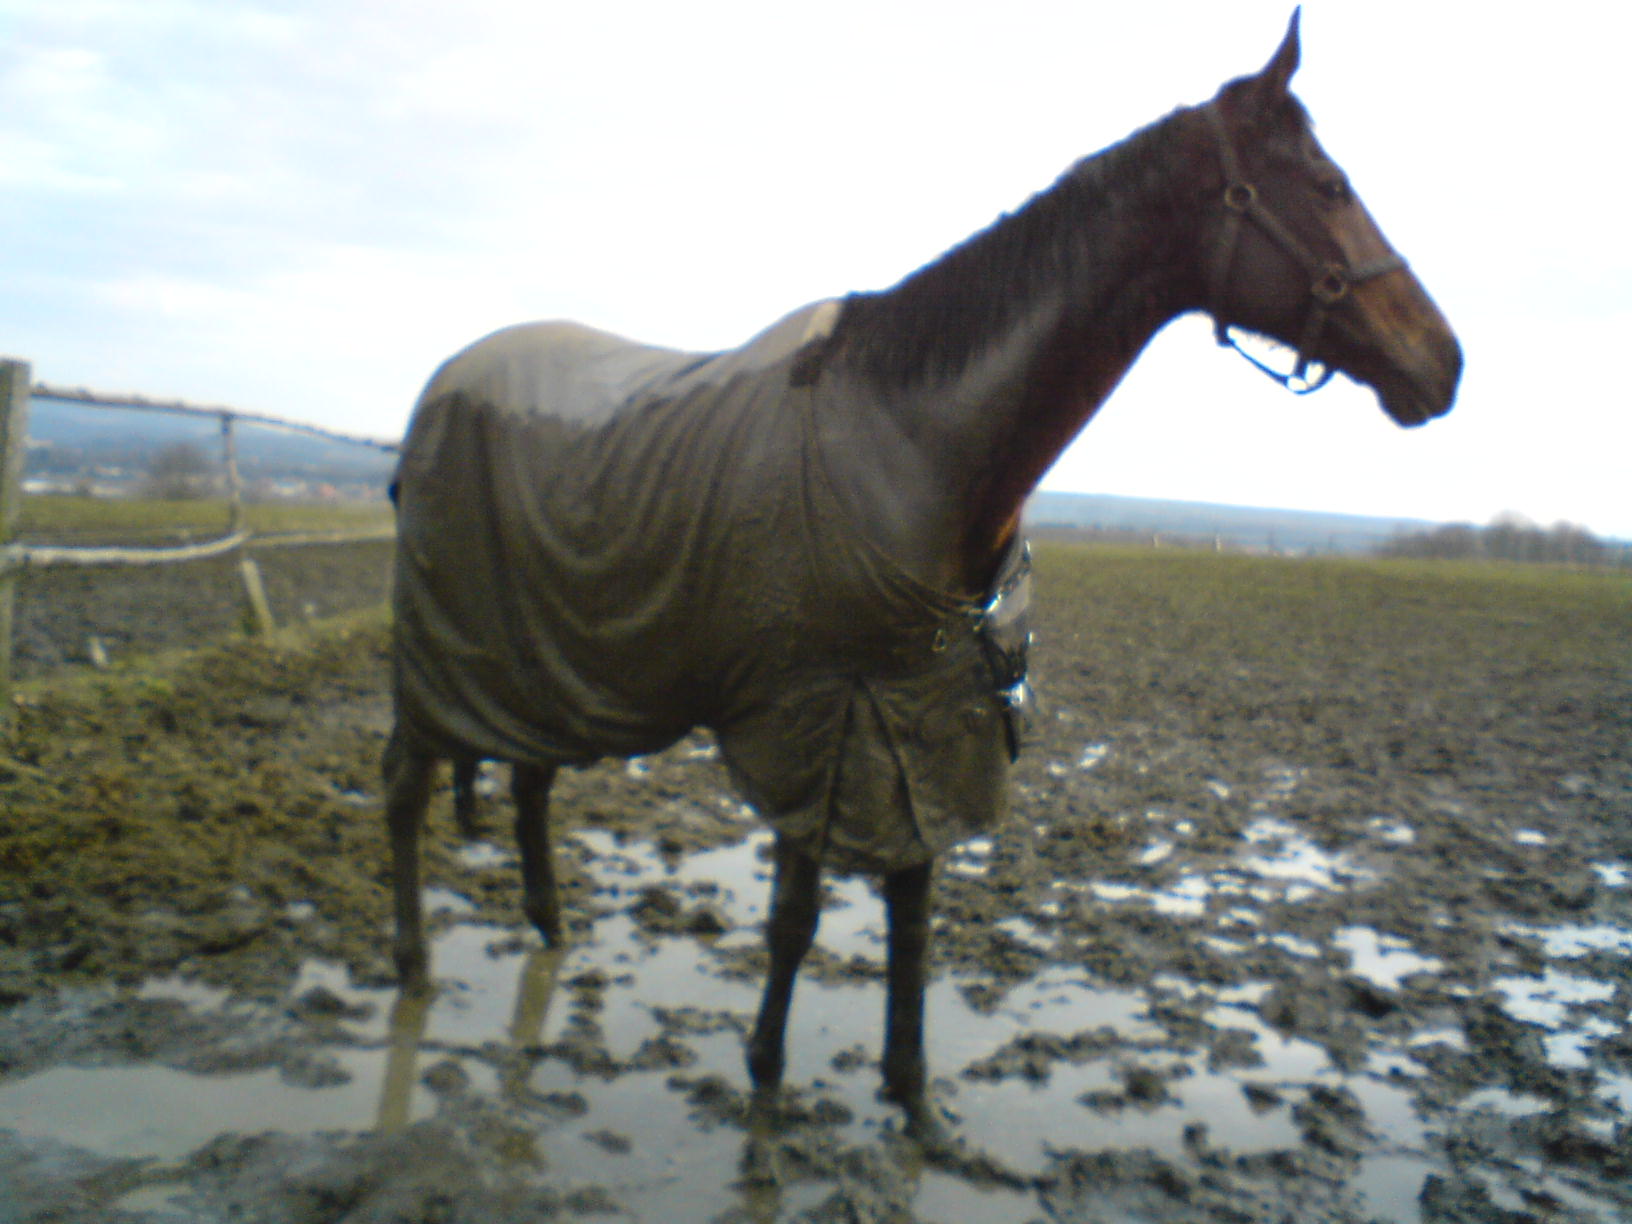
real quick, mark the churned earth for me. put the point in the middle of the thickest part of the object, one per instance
(1314, 904)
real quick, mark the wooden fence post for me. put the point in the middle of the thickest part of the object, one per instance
(260, 610)
(14, 389)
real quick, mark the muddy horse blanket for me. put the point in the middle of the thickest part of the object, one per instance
(603, 545)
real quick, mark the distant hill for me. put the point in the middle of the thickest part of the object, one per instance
(71, 441)
(1240, 527)
(68, 440)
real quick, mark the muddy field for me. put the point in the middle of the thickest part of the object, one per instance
(67, 617)
(1315, 905)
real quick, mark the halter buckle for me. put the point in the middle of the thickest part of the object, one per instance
(1240, 197)
(1331, 286)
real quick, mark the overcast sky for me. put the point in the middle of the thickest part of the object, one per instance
(301, 207)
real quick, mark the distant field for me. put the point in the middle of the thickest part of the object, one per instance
(69, 519)
(1311, 625)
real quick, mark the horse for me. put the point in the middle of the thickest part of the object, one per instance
(811, 545)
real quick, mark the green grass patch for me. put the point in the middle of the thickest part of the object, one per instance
(71, 519)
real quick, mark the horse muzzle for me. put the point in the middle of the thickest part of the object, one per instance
(1408, 353)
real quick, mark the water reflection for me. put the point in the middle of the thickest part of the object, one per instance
(409, 1018)
(617, 1062)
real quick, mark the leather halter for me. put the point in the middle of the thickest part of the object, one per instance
(1329, 283)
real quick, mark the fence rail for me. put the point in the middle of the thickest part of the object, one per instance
(140, 403)
(15, 558)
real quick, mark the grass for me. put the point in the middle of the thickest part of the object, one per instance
(1317, 620)
(1261, 596)
(71, 519)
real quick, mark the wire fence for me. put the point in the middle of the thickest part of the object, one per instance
(232, 544)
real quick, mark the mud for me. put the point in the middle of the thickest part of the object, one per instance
(76, 616)
(1315, 905)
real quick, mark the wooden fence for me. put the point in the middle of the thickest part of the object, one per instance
(15, 392)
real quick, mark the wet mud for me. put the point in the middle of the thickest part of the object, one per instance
(1315, 904)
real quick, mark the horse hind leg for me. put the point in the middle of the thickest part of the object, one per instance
(530, 788)
(408, 770)
(464, 797)
(789, 932)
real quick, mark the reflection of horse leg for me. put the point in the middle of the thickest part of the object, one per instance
(906, 900)
(464, 797)
(534, 988)
(795, 907)
(407, 1030)
(530, 787)
(407, 771)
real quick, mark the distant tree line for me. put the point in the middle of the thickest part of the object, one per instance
(1509, 537)
(180, 472)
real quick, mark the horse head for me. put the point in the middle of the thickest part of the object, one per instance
(1291, 253)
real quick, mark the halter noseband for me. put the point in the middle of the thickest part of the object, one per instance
(1329, 283)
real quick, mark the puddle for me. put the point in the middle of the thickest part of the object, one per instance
(1294, 944)
(181, 990)
(1154, 853)
(1532, 1179)
(1390, 1185)
(1455, 1039)
(446, 901)
(1571, 941)
(1571, 1047)
(1551, 1001)
(161, 1113)
(1292, 859)
(1612, 875)
(1117, 1073)
(1387, 829)
(1091, 757)
(1616, 1092)
(1383, 960)
(1508, 1104)
(972, 859)
(480, 856)
(1283, 866)
(1547, 1000)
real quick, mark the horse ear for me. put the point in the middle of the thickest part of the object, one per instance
(1276, 77)
(1264, 94)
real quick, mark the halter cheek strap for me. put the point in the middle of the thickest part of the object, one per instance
(1329, 283)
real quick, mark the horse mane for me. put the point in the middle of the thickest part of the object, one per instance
(935, 320)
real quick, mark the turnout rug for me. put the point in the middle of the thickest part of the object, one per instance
(603, 545)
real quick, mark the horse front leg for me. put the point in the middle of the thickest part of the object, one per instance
(530, 788)
(906, 1078)
(789, 932)
(408, 772)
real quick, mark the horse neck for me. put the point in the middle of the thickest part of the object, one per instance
(987, 363)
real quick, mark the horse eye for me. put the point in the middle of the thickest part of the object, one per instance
(1336, 190)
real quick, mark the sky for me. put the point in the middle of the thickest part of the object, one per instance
(300, 208)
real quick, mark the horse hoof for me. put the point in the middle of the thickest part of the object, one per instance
(549, 929)
(413, 971)
(933, 1130)
(929, 1124)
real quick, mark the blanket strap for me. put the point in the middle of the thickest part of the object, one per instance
(1003, 628)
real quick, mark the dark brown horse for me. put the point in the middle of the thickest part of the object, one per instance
(794, 544)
